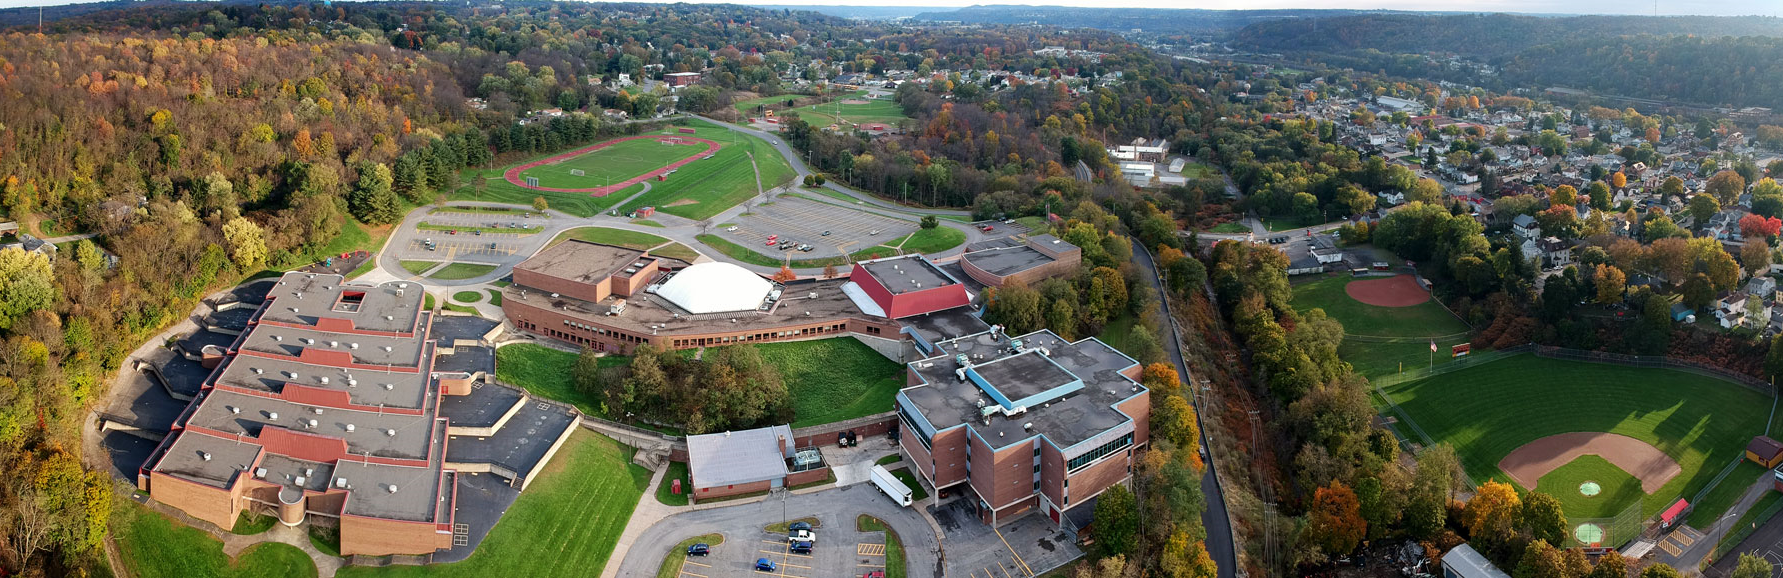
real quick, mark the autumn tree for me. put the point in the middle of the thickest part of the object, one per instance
(1751, 566)
(1426, 190)
(1544, 518)
(1610, 283)
(1672, 187)
(829, 271)
(1703, 206)
(540, 204)
(26, 284)
(1726, 186)
(1755, 227)
(785, 274)
(1564, 195)
(1661, 570)
(1335, 523)
(1755, 256)
(1610, 565)
(1174, 420)
(247, 242)
(1618, 180)
(1117, 522)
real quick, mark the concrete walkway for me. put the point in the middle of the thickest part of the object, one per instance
(234, 544)
(1692, 557)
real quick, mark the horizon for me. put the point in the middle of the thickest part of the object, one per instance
(1726, 8)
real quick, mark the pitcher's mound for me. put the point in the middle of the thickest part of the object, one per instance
(1395, 291)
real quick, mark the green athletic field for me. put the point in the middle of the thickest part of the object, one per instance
(615, 163)
(883, 110)
(1616, 488)
(747, 107)
(1488, 411)
(704, 188)
(1422, 320)
(499, 190)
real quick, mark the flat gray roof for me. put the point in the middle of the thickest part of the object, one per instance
(285, 471)
(371, 429)
(643, 311)
(406, 390)
(945, 324)
(580, 261)
(903, 274)
(185, 458)
(739, 457)
(365, 349)
(1008, 260)
(316, 295)
(416, 498)
(1023, 375)
(484, 406)
(945, 401)
(521, 443)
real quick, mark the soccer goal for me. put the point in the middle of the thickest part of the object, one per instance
(578, 173)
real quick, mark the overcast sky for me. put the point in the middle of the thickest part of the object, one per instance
(1642, 7)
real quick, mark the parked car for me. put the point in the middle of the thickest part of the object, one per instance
(699, 550)
(774, 237)
(731, 229)
(826, 233)
(987, 228)
(874, 574)
(806, 248)
(873, 232)
(799, 526)
(492, 245)
(770, 242)
(765, 565)
(802, 547)
(801, 536)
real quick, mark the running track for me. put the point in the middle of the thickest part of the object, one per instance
(513, 174)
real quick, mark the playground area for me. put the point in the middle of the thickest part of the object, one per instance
(612, 165)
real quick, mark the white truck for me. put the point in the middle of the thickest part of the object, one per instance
(891, 486)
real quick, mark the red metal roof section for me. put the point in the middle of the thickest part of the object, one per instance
(909, 303)
(1672, 512)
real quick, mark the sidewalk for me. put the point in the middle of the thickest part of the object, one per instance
(1691, 558)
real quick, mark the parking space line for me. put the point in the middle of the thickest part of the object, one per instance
(692, 574)
(696, 563)
(1018, 557)
(796, 565)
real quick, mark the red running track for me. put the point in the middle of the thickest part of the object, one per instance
(513, 174)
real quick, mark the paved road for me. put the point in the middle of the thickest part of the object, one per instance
(1215, 518)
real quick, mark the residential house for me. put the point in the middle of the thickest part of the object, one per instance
(1524, 226)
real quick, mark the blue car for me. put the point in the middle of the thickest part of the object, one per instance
(699, 550)
(802, 547)
(797, 526)
(765, 565)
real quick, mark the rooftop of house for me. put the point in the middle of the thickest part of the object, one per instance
(946, 401)
(907, 273)
(303, 298)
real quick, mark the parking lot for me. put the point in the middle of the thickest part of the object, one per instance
(804, 221)
(472, 243)
(1026, 547)
(840, 551)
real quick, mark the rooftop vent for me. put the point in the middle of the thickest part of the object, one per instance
(323, 379)
(308, 341)
(300, 480)
(334, 344)
(352, 346)
(293, 374)
(317, 410)
(233, 409)
(313, 423)
(272, 415)
(340, 483)
(309, 471)
(258, 371)
(386, 349)
(390, 433)
(278, 338)
(389, 318)
(350, 427)
(259, 473)
(1028, 426)
(389, 386)
(392, 488)
(204, 455)
(352, 382)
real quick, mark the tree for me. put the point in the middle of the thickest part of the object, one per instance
(1773, 360)
(1610, 282)
(1610, 565)
(1174, 419)
(540, 204)
(1540, 560)
(1544, 518)
(1726, 186)
(247, 242)
(26, 284)
(372, 199)
(1335, 523)
(1751, 566)
(1661, 570)
(1425, 190)
(1015, 307)
(1703, 206)
(1672, 187)
(1564, 195)
(1755, 256)
(1758, 228)
(1618, 180)
(930, 221)
(785, 274)
(1117, 521)
(829, 271)
(1494, 508)
(1599, 195)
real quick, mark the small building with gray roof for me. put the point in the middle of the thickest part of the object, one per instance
(755, 460)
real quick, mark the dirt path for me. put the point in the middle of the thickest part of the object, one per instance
(1395, 291)
(1640, 459)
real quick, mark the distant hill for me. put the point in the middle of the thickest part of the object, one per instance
(1476, 35)
(858, 12)
(1153, 20)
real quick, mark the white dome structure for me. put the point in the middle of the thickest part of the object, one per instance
(716, 288)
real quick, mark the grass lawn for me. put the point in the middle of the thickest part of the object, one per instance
(1618, 488)
(882, 110)
(834, 379)
(547, 373)
(458, 271)
(511, 230)
(565, 524)
(1287, 222)
(427, 302)
(1488, 411)
(154, 546)
(888, 459)
(615, 163)
(1358, 318)
(1036, 225)
(1725, 494)
(934, 240)
(473, 210)
(467, 296)
(916, 492)
(671, 565)
(647, 223)
(419, 267)
(751, 257)
(326, 540)
(747, 107)
(665, 490)
(495, 297)
(1229, 227)
(1373, 359)
(780, 527)
(248, 524)
(609, 236)
(465, 309)
(676, 251)
(894, 548)
(497, 190)
(1118, 333)
(707, 187)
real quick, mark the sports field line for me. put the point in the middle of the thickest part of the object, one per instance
(512, 175)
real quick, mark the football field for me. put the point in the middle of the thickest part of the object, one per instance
(615, 163)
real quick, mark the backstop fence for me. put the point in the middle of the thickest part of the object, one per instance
(1610, 532)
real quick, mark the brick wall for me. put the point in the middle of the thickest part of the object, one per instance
(722, 491)
(918, 454)
(215, 505)
(1140, 409)
(1090, 481)
(825, 435)
(950, 456)
(374, 537)
(1052, 473)
(808, 476)
(593, 292)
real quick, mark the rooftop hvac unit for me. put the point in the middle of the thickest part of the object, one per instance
(350, 427)
(340, 483)
(1029, 426)
(402, 285)
(806, 457)
(398, 292)
(812, 295)
(334, 344)
(317, 410)
(352, 382)
(300, 480)
(259, 473)
(553, 295)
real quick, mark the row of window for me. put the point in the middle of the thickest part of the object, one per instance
(1085, 459)
(769, 336)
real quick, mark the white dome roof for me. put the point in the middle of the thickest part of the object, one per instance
(716, 288)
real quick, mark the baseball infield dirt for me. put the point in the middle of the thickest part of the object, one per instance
(1395, 291)
(1640, 459)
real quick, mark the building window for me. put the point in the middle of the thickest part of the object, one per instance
(910, 424)
(1085, 459)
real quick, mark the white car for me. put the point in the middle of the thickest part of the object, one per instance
(731, 229)
(801, 536)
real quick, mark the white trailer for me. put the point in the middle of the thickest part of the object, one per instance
(890, 485)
